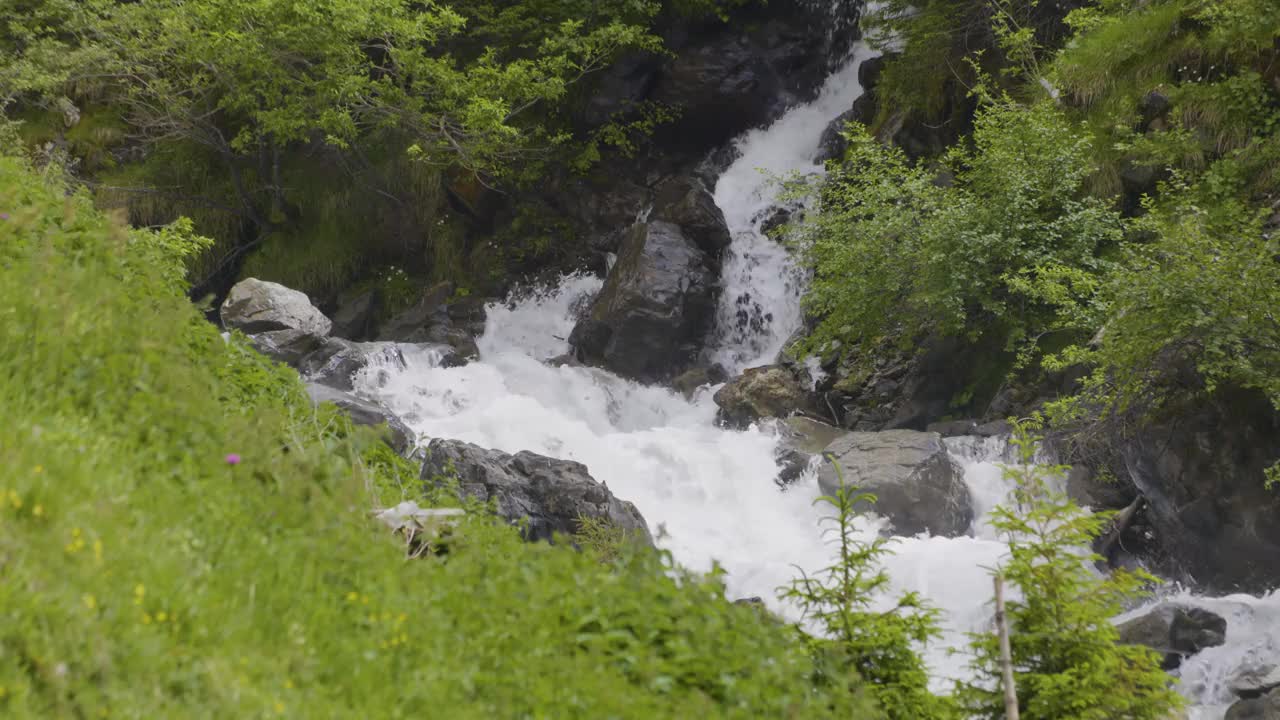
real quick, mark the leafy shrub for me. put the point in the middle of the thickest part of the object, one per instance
(896, 254)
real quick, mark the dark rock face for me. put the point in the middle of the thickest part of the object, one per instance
(770, 391)
(729, 81)
(282, 323)
(655, 308)
(1176, 631)
(1202, 475)
(916, 484)
(354, 316)
(1266, 707)
(434, 320)
(686, 202)
(551, 494)
(364, 412)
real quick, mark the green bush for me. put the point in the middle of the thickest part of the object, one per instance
(1067, 664)
(896, 254)
(182, 535)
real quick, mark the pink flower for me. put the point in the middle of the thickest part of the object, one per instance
(233, 459)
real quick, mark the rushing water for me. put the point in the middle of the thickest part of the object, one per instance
(710, 492)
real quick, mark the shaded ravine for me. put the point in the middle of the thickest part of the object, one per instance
(711, 492)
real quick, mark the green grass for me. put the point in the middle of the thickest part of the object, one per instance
(142, 576)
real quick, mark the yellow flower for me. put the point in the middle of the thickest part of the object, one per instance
(139, 593)
(89, 601)
(146, 618)
(39, 469)
(279, 707)
(288, 684)
(14, 500)
(161, 616)
(353, 596)
(38, 511)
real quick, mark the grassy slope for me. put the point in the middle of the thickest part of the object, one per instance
(143, 576)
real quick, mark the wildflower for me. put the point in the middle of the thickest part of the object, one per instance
(38, 511)
(90, 602)
(38, 469)
(279, 707)
(4, 216)
(233, 459)
(161, 616)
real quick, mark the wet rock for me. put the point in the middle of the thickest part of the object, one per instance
(657, 304)
(1266, 707)
(282, 323)
(812, 436)
(832, 144)
(792, 464)
(1256, 682)
(686, 202)
(917, 485)
(434, 319)
(353, 318)
(953, 428)
(365, 412)
(770, 391)
(688, 382)
(550, 494)
(732, 80)
(1202, 473)
(1174, 630)
(336, 361)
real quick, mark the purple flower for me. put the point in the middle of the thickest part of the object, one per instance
(4, 216)
(233, 459)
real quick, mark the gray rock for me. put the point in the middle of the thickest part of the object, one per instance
(686, 202)
(917, 485)
(1174, 630)
(953, 428)
(335, 361)
(770, 391)
(282, 323)
(688, 382)
(1266, 707)
(365, 412)
(1256, 682)
(550, 494)
(655, 308)
(811, 436)
(434, 320)
(1202, 472)
(353, 319)
(254, 306)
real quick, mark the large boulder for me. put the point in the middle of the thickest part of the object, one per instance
(1202, 473)
(1266, 707)
(550, 494)
(686, 201)
(365, 412)
(918, 487)
(1176, 631)
(282, 323)
(770, 391)
(655, 308)
(435, 319)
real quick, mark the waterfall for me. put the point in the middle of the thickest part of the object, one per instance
(707, 492)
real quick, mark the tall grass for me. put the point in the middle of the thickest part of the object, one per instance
(182, 535)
